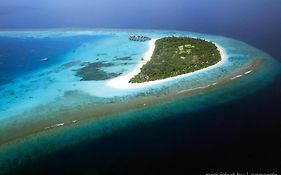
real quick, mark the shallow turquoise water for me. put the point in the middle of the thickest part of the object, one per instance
(50, 85)
(51, 82)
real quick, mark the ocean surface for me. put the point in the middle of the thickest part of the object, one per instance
(232, 127)
(20, 56)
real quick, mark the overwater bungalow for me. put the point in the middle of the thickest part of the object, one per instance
(139, 38)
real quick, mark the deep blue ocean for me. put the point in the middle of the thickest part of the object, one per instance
(240, 136)
(22, 56)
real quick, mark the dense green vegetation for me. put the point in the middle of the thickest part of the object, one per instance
(177, 55)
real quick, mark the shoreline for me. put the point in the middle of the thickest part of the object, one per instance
(96, 113)
(122, 82)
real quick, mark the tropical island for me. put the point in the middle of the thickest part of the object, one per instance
(175, 56)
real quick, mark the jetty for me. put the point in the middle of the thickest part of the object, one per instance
(139, 38)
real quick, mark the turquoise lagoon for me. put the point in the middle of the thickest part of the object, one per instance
(46, 107)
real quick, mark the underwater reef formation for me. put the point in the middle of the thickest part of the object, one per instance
(83, 91)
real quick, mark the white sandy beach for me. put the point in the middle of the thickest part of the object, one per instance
(122, 82)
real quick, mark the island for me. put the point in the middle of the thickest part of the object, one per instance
(84, 94)
(175, 56)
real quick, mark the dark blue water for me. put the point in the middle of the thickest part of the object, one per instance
(20, 56)
(254, 21)
(242, 136)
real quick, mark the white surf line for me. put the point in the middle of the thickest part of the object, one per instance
(122, 82)
(59, 124)
(248, 72)
(191, 89)
(238, 76)
(54, 126)
(213, 84)
(187, 90)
